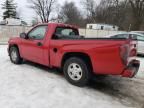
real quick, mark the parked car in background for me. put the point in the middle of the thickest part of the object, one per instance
(135, 36)
(61, 46)
(140, 32)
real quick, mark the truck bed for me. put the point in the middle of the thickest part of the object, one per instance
(78, 37)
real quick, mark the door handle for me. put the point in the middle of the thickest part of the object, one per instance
(39, 44)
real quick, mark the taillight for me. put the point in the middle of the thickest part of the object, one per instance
(133, 53)
(124, 53)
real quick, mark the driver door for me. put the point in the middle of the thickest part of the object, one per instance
(32, 48)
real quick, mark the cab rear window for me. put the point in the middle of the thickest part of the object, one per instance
(66, 31)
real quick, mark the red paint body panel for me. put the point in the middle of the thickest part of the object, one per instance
(105, 55)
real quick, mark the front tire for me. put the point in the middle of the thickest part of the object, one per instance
(15, 56)
(76, 71)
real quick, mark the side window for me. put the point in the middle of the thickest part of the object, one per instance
(38, 33)
(90, 27)
(121, 36)
(102, 27)
(140, 38)
(66, 31)
(134, 37)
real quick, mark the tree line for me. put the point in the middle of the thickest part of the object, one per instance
(127, 14)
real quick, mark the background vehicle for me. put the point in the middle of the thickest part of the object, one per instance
(135, 36)
(59, 45)
(140, 32)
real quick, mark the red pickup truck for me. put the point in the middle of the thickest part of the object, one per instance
(61, 46)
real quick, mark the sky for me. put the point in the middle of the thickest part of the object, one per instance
(28, 14)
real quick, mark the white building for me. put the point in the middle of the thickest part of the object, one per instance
(102, 27)
(11, 21)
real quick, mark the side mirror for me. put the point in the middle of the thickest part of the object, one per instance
(23, 36)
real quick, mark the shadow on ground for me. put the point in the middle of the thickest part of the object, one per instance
(128, 91)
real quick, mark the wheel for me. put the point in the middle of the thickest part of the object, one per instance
(76, 71)
(15, 56)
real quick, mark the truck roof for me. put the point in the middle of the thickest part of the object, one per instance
(59, 24)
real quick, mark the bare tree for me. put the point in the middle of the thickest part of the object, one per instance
(43, 8)
(138, 13)
(103, 11)
(108, 11)
(90, 8)
(71, 14)
(111, 12)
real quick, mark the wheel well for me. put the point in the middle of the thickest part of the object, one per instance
(14, 45)
(83, 56)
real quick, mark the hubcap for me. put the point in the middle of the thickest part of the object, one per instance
(14, 55)
(75, 71)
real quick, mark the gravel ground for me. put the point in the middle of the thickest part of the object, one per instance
(33, 86)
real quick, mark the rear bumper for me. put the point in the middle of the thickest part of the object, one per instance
(131, 69)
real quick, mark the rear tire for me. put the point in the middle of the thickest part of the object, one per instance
(15, 55)
(76, 71)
